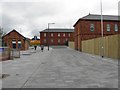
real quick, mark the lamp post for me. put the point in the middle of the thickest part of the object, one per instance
(48, 36)
(102, 33)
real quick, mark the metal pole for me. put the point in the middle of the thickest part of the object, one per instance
(48, 36)
(102, 33)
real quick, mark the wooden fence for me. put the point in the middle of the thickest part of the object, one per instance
(111, 46)
(71, 45)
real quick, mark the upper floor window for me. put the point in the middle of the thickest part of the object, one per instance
(51, 34)
(14, 44)
(116, 27)
(44, 34)
(19, 44)
(92, 27)
(108, 27)
(58, 34)
(63, 34)
(69, 35)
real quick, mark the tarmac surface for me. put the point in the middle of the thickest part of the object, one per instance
(60, 67)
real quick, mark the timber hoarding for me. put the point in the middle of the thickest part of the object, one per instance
(71, 44)
(111, 45)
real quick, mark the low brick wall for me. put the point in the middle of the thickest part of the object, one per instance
(5, 54)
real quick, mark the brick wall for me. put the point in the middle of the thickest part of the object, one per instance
(82, 31)
(13, 35)
(55, 38)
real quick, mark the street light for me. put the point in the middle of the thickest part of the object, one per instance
(48, 34)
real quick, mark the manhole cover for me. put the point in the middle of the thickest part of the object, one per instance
(4, 76)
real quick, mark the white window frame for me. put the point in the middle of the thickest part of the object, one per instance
(45, 34)
(116, 27)
(19, 42)
(108, 27)
(69, 35)
(63, 34)
(58, 34)
(92, 27)
(52, 34)
(13, 42)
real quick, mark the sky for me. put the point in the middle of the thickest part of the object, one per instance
(29, 17)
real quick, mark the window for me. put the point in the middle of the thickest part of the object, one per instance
(44, 40)
(66, 39)
(14, 44)
(69, 34)
(35, 37)
(116, 27)
(19, 44)
(108, 27)
(51, 34)
(91, 27)
(58, 34)
(52, 41)
(58, 40)
(44, 34)
(63, 34)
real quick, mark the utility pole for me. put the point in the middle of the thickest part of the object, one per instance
(48, 36)
(102, 31)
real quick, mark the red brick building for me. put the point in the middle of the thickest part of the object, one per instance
(89, 27)
(15, 40)
(56, 36)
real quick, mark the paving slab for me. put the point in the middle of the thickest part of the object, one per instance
(60, 68)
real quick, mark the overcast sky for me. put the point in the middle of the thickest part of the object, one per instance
(33, 16)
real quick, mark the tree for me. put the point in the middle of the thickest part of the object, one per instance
(2, 33)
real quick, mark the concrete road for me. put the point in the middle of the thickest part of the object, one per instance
(60, 67)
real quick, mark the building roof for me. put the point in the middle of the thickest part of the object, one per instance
(98, 17)
(58, 30)
(16, 32)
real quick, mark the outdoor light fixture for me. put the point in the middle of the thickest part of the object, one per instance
(48, 34)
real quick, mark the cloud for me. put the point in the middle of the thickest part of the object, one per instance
(32, 16)
(119, 8)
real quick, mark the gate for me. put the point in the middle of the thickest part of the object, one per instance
(15, 53)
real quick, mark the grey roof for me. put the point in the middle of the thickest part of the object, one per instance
(98, 17)
(58, 30)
